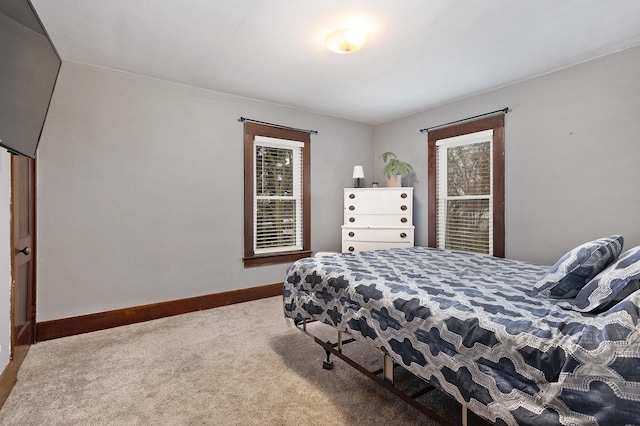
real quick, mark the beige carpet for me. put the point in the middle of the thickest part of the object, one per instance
(235, 365)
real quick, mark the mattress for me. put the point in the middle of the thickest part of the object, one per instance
(470, 325)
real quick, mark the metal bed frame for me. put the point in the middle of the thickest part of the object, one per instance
(383, 377)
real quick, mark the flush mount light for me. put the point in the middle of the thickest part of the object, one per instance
(346, 40)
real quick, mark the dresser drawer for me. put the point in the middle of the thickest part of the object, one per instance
(377, 219)
(401, 235)
(379, 207)
(377, 195)
(355, 246)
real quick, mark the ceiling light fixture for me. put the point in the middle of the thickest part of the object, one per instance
(347, 40)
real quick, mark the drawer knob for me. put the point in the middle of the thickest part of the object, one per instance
(403, 235)
(352, 234)
(403, 195)
(351, 248)
(352, 207)
(352, 196)
(352, 219)
(403, 220)
(403, 207)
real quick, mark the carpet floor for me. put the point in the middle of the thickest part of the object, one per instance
(235, 365)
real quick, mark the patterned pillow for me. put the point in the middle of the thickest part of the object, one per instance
(577, 267)
(612, 285)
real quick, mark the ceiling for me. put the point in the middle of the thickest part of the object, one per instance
(422, 53)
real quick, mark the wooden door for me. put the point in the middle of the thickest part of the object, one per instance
(23, 301)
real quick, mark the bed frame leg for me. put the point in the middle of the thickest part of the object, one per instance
(387, 369)
(464, 415)
(328, 364)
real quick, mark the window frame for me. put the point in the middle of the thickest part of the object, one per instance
(250, 257)
(495, 123)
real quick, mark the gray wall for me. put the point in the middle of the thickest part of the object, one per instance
(140, 195)
(572, 149)
(140, 180)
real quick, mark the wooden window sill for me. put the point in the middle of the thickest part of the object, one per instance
(275, 258)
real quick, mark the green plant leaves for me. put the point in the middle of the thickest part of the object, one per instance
(394, 166)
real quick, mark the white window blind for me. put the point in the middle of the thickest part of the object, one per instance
(464, 185)
(277, 201)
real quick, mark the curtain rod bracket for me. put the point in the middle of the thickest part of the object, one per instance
(503, 110)
(243, 119)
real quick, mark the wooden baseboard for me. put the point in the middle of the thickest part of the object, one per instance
(63, 327)
(8, 379)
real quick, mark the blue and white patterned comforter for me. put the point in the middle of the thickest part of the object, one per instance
(468, 324)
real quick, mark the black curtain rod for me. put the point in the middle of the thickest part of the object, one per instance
(503, 110)
(243, 119)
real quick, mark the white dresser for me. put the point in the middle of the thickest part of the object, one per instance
(377, 218)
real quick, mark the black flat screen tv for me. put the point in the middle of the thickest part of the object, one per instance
(29, 66)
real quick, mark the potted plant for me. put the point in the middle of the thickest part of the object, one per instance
(395, 169)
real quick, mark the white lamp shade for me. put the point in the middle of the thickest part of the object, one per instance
(358, 172)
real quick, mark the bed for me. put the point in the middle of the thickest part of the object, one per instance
(487, 331)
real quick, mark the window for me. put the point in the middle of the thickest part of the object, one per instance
(277, 210)
(277, 190)
(466, 187)
(463, 187)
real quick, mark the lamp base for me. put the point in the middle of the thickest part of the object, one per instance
(357, 185)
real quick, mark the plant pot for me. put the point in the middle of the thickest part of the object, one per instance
(394, 181)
